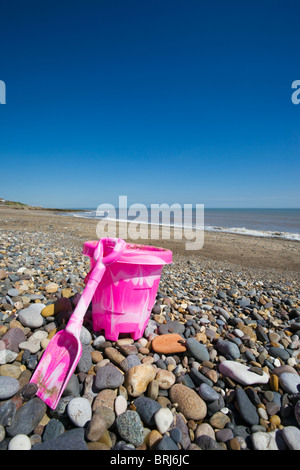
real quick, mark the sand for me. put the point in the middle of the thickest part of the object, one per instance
(277, 259)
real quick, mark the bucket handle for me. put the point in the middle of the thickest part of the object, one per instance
(119, 247)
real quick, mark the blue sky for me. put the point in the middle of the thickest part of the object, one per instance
(163, 101)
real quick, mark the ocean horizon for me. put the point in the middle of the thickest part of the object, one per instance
(275, 223)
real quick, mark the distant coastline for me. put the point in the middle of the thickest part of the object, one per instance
(267, 223)
(263, 223)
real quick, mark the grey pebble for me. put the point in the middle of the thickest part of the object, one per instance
(246, 408)
(197, 350)
(171, 327)
(108, 376)
(146, 408)
(279, 352)
(290, 382)
(130, 427)
(27, 417)
(291, 435)
(53, 429)
(166, 443)
(31, 317)
(74, 439)
(207, 393)
(8, 387)
(227, 348)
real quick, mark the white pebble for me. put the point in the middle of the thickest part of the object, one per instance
(241, 373)
(163, 419)
(143, 342)
(19, 442)
(291, 361)
(79, 411)
(262, 413)
(225, 410)
(44, 343)
(120, 405)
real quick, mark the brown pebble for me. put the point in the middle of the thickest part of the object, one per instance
(96, 356)
(144, 351)
(105, 398)
(219, 420)
(234, 444)
(274, 382)
(114, 355)
(153, 438)
(96, 428)
(97, 446)
(153, 389)
(39, 429)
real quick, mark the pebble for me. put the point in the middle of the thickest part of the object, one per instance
(279, 352)
(72, 439)
(165, 379)
(8, 387)
(197, 350)
(79, 411)
(189, 402)
(53, 429)
(2, 432)
(290, 382)
(246, 408)
(219, 420)
(163, 419)
(19, 442)
(171, 327)
(96, 428)
(31, 316)
(137, 379)
(168, 344)
(176, 435)
(224, 435)
(268, 440)
(51, 288)
(105, 398)
(227, 348)
(207, 393)
(242, 373)
(27, 417)
(207, 443)
(120, 405)
(34, 342)
(130, 427)
(108, 376)
(205, 429)
(7, 356)
(146, 408)
(291, 435)
(166, 443)
(12, 338)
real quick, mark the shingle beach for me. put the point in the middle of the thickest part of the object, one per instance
(232, 381)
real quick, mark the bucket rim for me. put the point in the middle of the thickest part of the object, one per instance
(134, 253)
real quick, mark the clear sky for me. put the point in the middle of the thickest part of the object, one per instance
(161, 100)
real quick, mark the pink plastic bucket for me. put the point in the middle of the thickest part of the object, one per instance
(126, 294)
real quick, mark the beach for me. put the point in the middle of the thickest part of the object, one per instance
(256, 255)
(231, 382)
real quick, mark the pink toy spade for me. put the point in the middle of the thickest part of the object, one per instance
(64, 350)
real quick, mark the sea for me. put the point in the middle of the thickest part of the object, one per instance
(275, 223)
